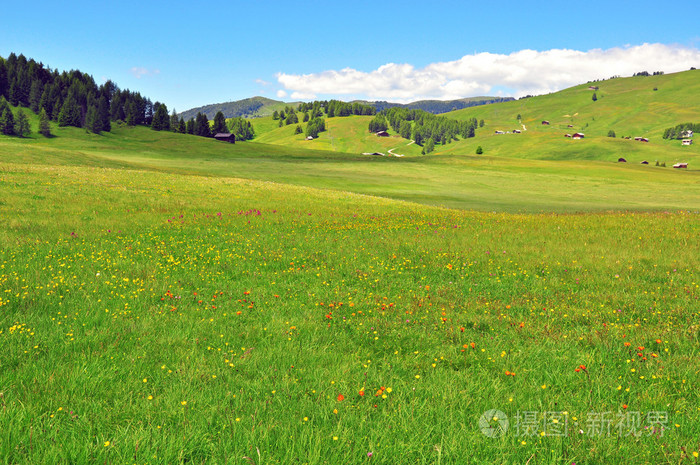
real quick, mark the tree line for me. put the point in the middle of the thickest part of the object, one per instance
(71, 98)
(680, 131)
(426, 129)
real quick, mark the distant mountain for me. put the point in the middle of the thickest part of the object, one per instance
(440, 106)
(255, 107)
(248, 108)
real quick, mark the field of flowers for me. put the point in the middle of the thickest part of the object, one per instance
(154, 318)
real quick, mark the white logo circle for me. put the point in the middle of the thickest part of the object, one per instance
(493, 423)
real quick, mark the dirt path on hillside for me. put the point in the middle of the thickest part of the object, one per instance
(391, 151)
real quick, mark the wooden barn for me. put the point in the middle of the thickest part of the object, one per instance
(225, 137)
(687, 142)
(382, 134)
(578, 135)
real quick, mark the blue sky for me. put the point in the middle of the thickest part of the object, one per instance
(188, 54)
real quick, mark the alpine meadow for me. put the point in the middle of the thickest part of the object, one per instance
(514, 281)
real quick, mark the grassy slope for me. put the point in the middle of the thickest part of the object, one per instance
(151, 317)
(628, 106)
(347, 134)
(482, 183)
(157, 318)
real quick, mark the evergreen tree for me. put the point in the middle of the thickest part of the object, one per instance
(44, 125)
(292, 118)
(174, 121)
(182, 126)
(298, 130)
(91, 122)
(35, 95)
(429, 146)
(479, 150)
(7, 122)
(161, 120)
(306, 116)
(190, 126)
(594, 97)
(70, 113)
(405, 129)
(103, 115)
(201, 126)
(315, 126)
(219, 123)
(275, 115)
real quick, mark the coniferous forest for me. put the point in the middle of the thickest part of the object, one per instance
(73, 98)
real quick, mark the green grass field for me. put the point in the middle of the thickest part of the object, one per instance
(170, 299)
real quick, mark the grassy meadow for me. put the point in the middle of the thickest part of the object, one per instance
(169, 299)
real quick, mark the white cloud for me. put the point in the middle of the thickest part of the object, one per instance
(303, 96)
(139, 72)
(262, 82)
(281, 94)
(517, 74)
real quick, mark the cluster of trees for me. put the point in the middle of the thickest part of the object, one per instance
(315, 126)
(441, 106)
(678, 131)
(333, 108)
(242, 128)
(424, 128)
(70, 98)
(646, 73)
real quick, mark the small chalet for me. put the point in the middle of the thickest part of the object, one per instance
(309, 138)
(593, 87)
(681, 165)
(570, 126)
(499, 132)
(516, 131)
(567, 135)
(687, 134)
(644, 162)
(382, 134)
(578, 135)
(225, 137)
(545, 123)
(621, 160)
(687, 142)
(641, 139)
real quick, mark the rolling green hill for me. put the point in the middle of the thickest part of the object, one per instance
(248, 108)
(439, 106)
(627, 106)
(460, 180)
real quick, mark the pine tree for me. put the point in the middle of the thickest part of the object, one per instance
(91, 122)
(201, 126)
(161, 120)
(219, 123)
(44, 125)
(22, 127)
(190, 126)
(182, 126)
(7, 122)
(429, 146)
(103, 114)
(70, 113)
(174, 121)
(35, 96)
